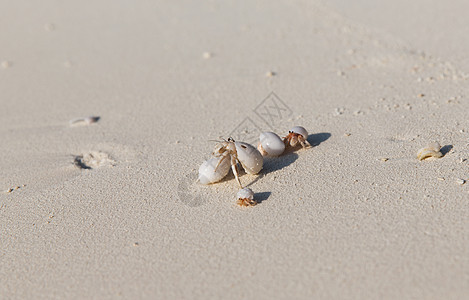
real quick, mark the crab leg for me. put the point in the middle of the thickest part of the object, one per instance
(304, 142)
(221, 160)
(234, 167)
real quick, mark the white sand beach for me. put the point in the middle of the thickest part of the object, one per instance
(111, 209)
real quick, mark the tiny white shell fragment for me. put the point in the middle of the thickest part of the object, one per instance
(6, 64)
(84, 121)
(300, 130)
(246, 197)
(251, 159)
(432, 150)
(270, 144)
(207, 172)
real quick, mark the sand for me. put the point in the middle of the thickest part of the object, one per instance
(110, 209)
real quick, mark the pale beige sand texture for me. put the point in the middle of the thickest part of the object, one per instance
(355, 217)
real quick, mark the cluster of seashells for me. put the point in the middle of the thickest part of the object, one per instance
(229, 154)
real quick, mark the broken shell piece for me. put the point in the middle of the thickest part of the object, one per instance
(432, 150)
(270, 144)
(84, 121)
(246, 197)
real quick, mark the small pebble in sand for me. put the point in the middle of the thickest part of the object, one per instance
(207, 55)
(245, 197)
(6, 64)
(460, 181)
(441, 179)
(339, 111)
(384, 159)
(270, 74)
(84, 121)
(9, 191)
(358, 113)
(420, 95)
(347, 134)
(49, 27)
(432, 150)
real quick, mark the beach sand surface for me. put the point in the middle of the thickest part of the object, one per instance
(111, 209)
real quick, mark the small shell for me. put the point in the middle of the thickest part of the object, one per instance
(300, 130)
(432, 150)
(246, 197)
(84, 121)
(270, 144)
(207, 173)
(251, 159)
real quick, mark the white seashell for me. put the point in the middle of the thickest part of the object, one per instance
(207, 172)
(270, 144)
(251, 159)
(245, 193)
(246, 197)
(432, 150)
(300, 130)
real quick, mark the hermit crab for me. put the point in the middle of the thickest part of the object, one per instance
(229, 153)
(297, 135)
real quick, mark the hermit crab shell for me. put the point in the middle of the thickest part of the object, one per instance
(270, 144)
(207, 173)
(245, 193)
(251, 159)
(300, 130)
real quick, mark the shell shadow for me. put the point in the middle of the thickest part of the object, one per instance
(317, 138)
(259, 197)
(445, 149)
(272, 164)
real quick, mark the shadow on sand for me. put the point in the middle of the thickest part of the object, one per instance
(261, 196)
(318, 138)
(445, 149)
